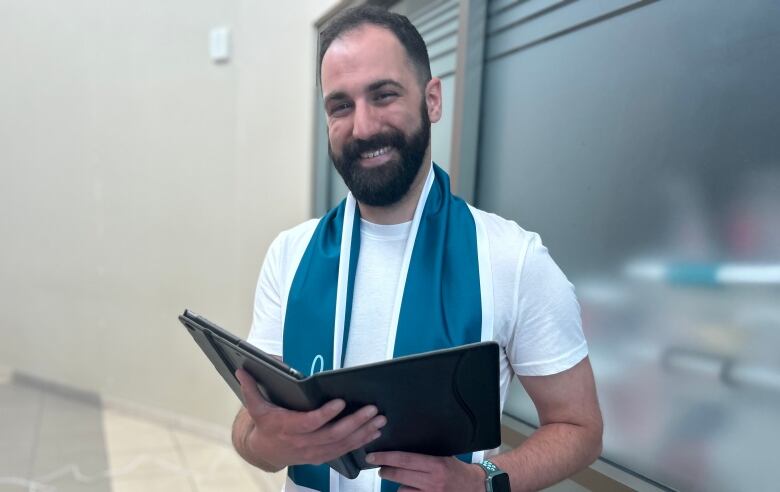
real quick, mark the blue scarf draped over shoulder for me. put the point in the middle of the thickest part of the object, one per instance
(440, 303)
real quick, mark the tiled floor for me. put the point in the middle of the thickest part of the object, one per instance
(50, 442)
(55, 443)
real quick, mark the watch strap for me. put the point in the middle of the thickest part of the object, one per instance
(491, 470)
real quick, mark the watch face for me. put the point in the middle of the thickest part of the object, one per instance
(500, 483)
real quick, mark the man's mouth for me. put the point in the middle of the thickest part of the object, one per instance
(375, 153)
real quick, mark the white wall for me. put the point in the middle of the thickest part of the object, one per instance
(140, 178)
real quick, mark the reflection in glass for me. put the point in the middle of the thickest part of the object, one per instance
(644, 150)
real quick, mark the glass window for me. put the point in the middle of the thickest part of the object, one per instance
(642, 144)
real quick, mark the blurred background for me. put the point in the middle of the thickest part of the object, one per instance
(152, 150)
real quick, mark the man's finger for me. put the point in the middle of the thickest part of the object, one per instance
(411, 479)
(314, 420)
(253, 400)
(355, 440)
(359, 437)
(342, 428)
(400, 459)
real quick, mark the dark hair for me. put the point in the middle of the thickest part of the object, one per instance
(399, 25)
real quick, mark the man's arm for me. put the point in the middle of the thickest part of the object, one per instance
(568, 440)
(271, 437)
(569, 437)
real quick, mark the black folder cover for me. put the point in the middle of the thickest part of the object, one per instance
(440, 403)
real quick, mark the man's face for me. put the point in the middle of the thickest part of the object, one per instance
(378, 118)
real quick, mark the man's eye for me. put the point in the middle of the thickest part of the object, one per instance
(383, 96)
(339, 108)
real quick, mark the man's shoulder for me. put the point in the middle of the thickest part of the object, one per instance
(304, 230)
(502, 231)
(294, 239)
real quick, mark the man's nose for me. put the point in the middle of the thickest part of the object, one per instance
(365, 123)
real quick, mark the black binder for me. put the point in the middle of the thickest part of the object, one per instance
(440, 403)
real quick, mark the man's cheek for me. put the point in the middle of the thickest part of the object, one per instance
(336, 144)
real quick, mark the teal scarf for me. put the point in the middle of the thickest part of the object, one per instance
(441, 303)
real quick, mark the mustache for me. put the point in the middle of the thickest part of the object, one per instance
(354, 147)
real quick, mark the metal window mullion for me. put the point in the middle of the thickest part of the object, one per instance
(468, 97)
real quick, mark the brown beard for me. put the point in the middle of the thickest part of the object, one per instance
(386, 184)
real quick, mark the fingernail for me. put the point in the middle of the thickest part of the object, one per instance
(376, 436)
(371, 411)
(370, 458)
(380, 422)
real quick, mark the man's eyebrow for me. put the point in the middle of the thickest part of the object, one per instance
(381, 83)
(339, 95)
(335, 96)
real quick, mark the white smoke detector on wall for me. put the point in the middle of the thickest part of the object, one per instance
(219, 44)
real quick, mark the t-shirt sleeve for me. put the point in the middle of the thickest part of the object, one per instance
(267, 328)
(547, 333)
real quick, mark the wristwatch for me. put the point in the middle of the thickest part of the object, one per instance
(497, 479)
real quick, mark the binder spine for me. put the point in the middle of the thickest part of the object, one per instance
(351, 462)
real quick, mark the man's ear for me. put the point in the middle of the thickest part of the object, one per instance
(433, 99)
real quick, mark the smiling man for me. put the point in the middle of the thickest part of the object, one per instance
(402, 266)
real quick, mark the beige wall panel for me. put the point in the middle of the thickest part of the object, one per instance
(140, 178)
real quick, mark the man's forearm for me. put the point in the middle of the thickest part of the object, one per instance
(242, 426)
(552, 453)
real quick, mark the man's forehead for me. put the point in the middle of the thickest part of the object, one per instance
(361, 56)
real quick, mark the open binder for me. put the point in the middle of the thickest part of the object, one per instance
(440, 403)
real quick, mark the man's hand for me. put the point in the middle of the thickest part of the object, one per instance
(272, 437)
(568, 440)
(428, 473)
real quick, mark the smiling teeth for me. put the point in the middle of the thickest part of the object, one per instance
(369, 155)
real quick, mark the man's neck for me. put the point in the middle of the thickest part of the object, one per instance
(403, 210)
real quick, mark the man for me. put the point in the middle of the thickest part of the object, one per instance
(402, 266)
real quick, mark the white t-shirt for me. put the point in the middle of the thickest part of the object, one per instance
(536, 319)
